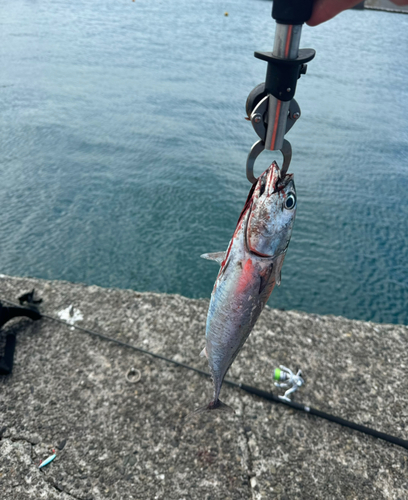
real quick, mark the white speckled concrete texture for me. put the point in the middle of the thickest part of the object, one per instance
(132, 441)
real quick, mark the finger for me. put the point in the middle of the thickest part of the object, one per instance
(323, 10)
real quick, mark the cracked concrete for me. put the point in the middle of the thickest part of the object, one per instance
(133, 441)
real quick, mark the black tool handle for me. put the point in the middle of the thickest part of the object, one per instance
(8, 313)
(6, 361)
(292, 11)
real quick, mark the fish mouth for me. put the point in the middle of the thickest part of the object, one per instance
(271, 181)
(262, 196)
(282, 183)
(268, 181)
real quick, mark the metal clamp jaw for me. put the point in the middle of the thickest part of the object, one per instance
(270, 106)
(258, 117)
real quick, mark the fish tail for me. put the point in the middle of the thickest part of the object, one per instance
(213, 405)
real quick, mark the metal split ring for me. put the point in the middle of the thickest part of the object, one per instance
(133, 376)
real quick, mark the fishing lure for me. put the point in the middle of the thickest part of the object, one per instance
(45, 462)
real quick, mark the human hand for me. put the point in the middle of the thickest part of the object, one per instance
(323, 10)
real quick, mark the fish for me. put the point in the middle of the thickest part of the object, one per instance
(249, 270)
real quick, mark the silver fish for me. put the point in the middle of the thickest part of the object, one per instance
(249, 270)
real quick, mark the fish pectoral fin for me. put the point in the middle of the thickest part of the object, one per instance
(217, 256)
(265, 278)
(271, 275)
(203, 353)
(278, 269)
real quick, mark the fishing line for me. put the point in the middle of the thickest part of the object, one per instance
(247, 388)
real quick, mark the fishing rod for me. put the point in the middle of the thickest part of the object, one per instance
(269, 396)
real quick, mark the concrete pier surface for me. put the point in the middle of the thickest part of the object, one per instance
(121, 440)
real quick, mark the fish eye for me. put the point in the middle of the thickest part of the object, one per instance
(290, 201)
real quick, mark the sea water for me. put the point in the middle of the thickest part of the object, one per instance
(123, 146)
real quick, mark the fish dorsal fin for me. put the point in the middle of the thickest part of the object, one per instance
(203, 353)
(217, 256)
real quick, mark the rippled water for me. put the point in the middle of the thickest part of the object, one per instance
(123, 148)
